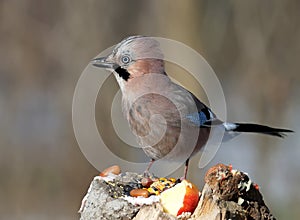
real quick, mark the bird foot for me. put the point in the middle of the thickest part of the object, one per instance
(147, 174)
(182, 178)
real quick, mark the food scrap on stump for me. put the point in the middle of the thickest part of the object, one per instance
(227, 194)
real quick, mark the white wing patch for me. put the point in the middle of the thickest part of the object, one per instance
(229, 126)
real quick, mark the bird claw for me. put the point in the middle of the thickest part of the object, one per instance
(147, 174)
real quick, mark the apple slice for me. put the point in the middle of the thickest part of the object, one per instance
(183, 197)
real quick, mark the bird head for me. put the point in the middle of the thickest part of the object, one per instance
(133, 57)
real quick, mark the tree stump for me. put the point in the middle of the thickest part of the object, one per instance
(227, 194)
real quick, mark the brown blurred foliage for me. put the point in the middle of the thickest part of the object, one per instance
(253, 46)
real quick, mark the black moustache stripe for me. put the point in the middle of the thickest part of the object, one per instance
(122, 73)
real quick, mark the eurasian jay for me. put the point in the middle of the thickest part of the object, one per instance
(168, 120)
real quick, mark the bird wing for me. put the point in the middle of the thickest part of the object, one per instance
(194, 111)
(203, 118)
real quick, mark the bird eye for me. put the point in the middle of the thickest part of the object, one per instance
(125, 59)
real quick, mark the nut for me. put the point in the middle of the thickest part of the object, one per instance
(113, 169)
(139, 192)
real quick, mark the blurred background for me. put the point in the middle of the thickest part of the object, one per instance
(253, 47)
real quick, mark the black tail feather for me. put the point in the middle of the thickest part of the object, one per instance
(256, 128)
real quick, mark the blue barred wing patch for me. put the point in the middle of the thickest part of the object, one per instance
(197, 118)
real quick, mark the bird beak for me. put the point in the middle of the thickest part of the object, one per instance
(103, 63)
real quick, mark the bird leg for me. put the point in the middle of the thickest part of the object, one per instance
(185, 169)
(146, 172)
